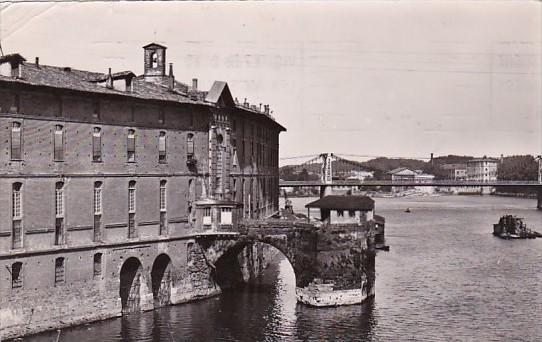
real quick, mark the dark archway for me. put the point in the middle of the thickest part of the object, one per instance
(245, 263)
(130, 284)
(161, 281)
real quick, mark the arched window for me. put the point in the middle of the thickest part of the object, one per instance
(163, 195)
(17, 201)
(163, 207)
(16, 141)
(59, 213)
(97, 211)
(154, 60)
(131, 209)
(59, 199)
(59, 271)
(190, 145)
(132, 197)
(59, 143)
(162, 147)
(17, 215)
(96, 144)
(97, 198)
(17, 275)
(131, 145)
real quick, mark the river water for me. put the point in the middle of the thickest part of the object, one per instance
(446, 278)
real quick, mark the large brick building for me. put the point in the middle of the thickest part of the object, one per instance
(105, 180)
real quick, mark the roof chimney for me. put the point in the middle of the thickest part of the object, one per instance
(194, 84)
(38, 62)
(260, 107)
(109, 80)
(171, 81)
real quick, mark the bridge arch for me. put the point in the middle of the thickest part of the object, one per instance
(161, 280)
(131, 277)
(231, 271)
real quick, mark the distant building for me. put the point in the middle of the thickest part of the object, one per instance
(415, 176)
(360, 175)
(336, 209)
(455, 171)
(482, 170)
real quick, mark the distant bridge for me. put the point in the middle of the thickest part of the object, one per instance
(329, 178)
(435, 183)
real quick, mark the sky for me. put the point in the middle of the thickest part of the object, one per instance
(372, 78)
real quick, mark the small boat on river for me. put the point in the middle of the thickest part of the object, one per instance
(512, 227)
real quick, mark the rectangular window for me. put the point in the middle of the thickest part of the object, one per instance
(16, 141)
(59, 143)
(59, 271)
(97, 272)
(163, 223)
(225, 216)
(17, 275)
(59, 231)
(97, 228)
(131, 225)
(131, 145)
(97, 145)
(162, 147)
(97, 110)
(17, 239)
(206, 216)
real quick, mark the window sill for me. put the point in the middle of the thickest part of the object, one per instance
(16, 160)
(97, 161)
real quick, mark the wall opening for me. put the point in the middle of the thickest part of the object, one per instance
(130, 284)
(161, 281)
(255, 264)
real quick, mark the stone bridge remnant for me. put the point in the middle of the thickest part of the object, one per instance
(333, 257)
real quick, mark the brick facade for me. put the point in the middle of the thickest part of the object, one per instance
(235, 150)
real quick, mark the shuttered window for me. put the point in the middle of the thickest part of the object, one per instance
(59, 143)
(59, 270)
(162, 147)
(16, 141)
(130, 145)
(97, 144)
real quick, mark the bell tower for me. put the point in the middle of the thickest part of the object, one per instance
(155, 60)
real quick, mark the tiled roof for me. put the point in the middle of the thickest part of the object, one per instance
(348, 202)
(87, 81)
(68, 78)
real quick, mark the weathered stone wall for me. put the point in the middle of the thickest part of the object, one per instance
(40, 304)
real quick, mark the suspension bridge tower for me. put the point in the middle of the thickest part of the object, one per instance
(327, 174)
